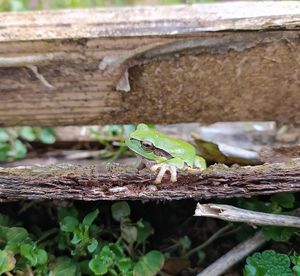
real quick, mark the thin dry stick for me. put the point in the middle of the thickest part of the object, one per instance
(209, 241)
(230, 213)
(233, 256)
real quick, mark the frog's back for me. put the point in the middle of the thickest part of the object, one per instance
(176, 148)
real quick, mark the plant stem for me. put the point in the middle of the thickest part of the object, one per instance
(171, 247)
(29, 270)
(47, 234)
(209, 241)
(236, 254)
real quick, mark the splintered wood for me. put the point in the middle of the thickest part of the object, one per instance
(205, 63)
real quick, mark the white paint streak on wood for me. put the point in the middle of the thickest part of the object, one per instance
(22, 60)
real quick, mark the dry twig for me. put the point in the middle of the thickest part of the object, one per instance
(233, 256)
(230, 213)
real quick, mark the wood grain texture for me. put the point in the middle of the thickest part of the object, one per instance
(196, 63)
(151, 20)
(88, 183)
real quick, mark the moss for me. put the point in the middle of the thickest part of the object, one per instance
(293, 164)
(115, 168)
(52, 170)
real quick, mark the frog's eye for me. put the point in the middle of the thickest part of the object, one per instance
(147, 146)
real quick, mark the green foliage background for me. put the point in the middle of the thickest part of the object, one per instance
(22, 5)
(79, 243)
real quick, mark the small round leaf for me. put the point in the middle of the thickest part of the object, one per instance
(120, 210)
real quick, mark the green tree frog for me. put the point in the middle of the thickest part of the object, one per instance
(160, 152)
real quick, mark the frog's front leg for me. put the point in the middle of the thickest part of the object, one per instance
(170, 165)
(199, 165)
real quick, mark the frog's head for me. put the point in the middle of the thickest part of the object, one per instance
(143, 141)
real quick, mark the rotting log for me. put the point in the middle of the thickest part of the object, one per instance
(90, 183)
(204, 63)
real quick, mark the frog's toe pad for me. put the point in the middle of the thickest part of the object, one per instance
(163, 168)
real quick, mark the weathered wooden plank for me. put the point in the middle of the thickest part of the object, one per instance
(177, 64)
(88, 183)
(144, 21)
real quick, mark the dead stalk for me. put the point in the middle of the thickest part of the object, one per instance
(233, 256)
(230, 213)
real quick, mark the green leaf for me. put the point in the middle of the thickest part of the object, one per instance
(89, 218)
(285, 200)
(4, 136)
(27, 133)
(268, 263)
(4, 151)
(102, 261)
(12, 132)
(3, 232)
(295, 259)
(149, 265)
(63, 266)
(129, 273)
(255, 205)
(277, 233)
(15, 236)
(47, 135)
(42, 256)
(28, 252)
(107, 252)
(185, 242)
(120, 210)
(118, 250)
(7, 261)
(296, 269)
(201, 256)
(127, 129)
(93, 245)
(69, 224)
(67, 212)
(5, 220)
(129, 233)
(18, 150)
(17, 5)
(144, 231)
(77, 237)
(112, 272)
(113, 130)
(84, 267)
(124, 265)
(34, 255)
